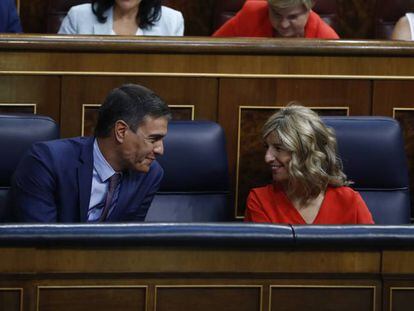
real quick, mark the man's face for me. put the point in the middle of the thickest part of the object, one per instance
(140, 148)
(289, 22)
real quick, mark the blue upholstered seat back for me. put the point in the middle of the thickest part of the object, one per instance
(373, 156)
(17, 133)
(195, 184)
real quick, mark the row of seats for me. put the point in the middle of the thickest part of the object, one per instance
(195, 187)
(387, 13)
(223, 235)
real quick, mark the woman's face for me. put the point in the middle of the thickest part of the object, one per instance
(127, 5)
(289, 22)
(277, 157)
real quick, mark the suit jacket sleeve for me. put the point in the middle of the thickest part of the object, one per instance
(363, 214)
(254, 209)
(155, 180)
(12, 21)
(229, 29)
(68, 25)
(177, 24)
(33, 187)
(179, 31)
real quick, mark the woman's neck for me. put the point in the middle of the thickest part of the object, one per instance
(125, 14)
(125, 22)
(310, 209)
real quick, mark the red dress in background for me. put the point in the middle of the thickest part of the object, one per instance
(253, 21)
(341, 205)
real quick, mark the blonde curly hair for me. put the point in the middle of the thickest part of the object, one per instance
(282, 4)
(314, 164)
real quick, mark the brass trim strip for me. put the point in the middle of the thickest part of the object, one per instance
(84, 106)
(13, 289)
(186, 106)
(203, 75)
(21, 105)
(395, 109)
(395, 288)
(239, 141)
(260, 287)
(373, 287)
(38, 288)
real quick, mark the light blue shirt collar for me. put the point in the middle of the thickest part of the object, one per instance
(100, 164)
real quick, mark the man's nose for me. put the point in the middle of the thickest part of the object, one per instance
(159, 148)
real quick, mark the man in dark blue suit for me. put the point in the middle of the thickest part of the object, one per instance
(112, 176)
(9, 20)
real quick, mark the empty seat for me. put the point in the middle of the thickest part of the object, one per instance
(17, 134)
(373, 156)
(195, 184)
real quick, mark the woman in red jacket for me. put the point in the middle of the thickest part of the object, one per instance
(277, 18)
(309, 186)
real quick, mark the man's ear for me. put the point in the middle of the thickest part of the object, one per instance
(120, 131)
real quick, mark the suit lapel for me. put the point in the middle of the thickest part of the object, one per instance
(85, 170)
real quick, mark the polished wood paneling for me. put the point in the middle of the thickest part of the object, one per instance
(401, 298)
(10, 299)
(85, 298)
(219, 298)
(198, 15)
(79, 91)
(356, 18)
(169, 260)
(33, 15)
(388, 95)
(322, 298)
(22, 93)
(398, 262)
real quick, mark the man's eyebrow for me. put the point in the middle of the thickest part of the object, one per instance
(158, 136)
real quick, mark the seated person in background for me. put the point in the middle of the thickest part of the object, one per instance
(123, 17)
(404, 29)
(9, 20)
(277, 18)
(110, 177)
(309, 186)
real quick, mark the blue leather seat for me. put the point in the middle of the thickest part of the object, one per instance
(195, 184)
(373, 156)
(17, 133)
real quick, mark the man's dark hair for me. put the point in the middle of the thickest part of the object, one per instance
(149, 11)
(130, 103)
